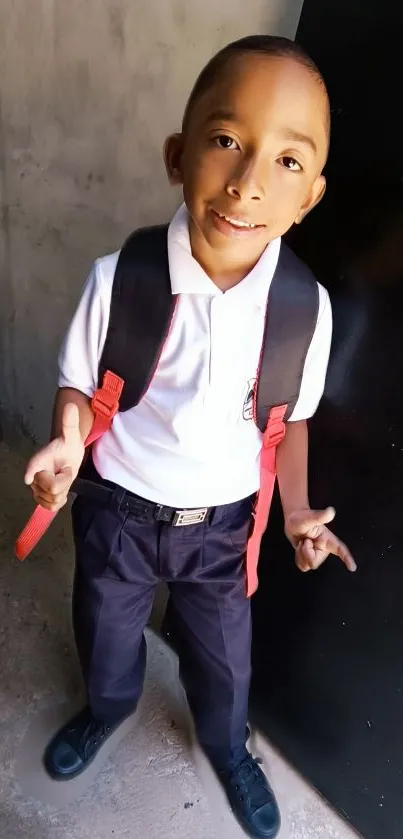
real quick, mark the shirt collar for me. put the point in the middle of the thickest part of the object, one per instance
(188, 277)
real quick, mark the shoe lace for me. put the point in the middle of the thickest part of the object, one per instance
(250, 782)
(91, 736)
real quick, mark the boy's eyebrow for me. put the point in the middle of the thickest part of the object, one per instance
(221, 115)
(289, 134)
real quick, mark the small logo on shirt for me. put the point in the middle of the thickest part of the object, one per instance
(247, 411)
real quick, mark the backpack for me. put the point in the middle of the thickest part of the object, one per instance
(142, 304)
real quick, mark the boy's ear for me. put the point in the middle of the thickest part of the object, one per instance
(173, 150)
(315, 196)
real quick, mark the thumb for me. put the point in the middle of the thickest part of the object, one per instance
(71, 425)
(316, 518)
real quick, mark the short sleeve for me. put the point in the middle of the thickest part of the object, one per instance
(316, 362)
(82, 347)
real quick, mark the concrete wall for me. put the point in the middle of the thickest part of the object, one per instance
(88, 92)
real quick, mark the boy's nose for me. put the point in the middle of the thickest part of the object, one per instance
(246, 183)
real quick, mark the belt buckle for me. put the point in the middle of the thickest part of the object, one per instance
(183, 518)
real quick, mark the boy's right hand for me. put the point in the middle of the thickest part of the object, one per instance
(51, 472)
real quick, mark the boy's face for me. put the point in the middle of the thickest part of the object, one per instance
(251, 156)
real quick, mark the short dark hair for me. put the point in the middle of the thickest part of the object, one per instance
(259, 44)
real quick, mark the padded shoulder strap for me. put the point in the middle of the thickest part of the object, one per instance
(142, 307)
(291, 317)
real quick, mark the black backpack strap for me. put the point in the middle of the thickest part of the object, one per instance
(292, 313)
(142, 307)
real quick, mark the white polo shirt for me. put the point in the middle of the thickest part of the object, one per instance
(191, 442)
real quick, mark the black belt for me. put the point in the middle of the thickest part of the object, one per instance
(141, 508)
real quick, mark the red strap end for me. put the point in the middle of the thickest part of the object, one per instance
(34, 529)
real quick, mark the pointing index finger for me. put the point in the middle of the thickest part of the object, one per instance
(341, 550)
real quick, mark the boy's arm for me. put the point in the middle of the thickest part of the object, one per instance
(53, 469)
(51, 472)
(305, 528)
(65, 396)
(292, 468)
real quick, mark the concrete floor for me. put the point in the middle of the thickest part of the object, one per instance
(157, 783)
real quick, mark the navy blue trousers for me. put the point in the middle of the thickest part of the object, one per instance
(119, 561)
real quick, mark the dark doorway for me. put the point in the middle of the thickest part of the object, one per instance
(328, 648)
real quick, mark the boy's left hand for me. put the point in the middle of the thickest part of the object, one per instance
(313, 541)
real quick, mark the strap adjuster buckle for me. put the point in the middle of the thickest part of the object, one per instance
(104, 402)
(274, 434)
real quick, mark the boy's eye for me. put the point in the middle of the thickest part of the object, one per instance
(225, 142)
(291, 164)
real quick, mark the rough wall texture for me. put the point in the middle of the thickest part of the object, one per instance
(88, 92)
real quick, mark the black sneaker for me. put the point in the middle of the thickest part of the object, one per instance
(75, 746)
(252, 800)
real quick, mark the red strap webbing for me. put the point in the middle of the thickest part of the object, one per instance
(274, 434)
(105, 404)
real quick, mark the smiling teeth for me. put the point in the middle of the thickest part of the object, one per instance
(236, 222)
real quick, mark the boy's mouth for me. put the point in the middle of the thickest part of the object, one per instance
(226, 223)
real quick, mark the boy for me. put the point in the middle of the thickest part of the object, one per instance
(249, 158)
